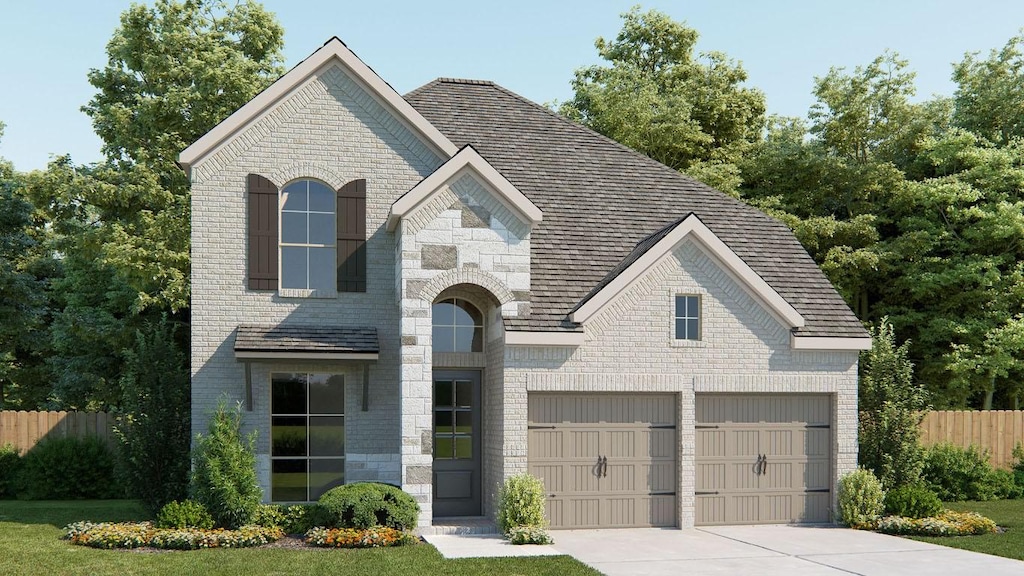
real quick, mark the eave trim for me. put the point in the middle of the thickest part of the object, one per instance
(524, 338)
(830, 343)
(467, 159)
(690, 227)
(264, 102)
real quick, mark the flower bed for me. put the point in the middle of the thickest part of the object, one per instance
(528, 535)
(946, 523)
(138, 534)
(375, 537)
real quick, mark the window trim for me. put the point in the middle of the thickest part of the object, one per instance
(699, 318)
(343, 458)
(332, 290)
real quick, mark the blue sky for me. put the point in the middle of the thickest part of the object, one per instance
(529, 46)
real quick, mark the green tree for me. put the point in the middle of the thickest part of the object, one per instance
(656, 96)
(892, 404)
(153, 425)
(174, 71)
(224, 470)
(990, 93)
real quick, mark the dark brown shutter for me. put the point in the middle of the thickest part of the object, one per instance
(352, 237)
(262, 233)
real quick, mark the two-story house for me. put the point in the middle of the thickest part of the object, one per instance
(444, 289)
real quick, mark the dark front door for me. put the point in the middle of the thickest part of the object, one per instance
(456, 443)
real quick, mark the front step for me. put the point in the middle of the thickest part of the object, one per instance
(461, 525)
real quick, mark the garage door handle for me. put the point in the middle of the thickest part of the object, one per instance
(764, 465)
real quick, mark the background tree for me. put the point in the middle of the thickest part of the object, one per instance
(990, 93)
(657, 97)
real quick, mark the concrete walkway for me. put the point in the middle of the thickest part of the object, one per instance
(728, 550)
(769, 551)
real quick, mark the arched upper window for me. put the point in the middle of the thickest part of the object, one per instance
(458, 327)
(308, 235)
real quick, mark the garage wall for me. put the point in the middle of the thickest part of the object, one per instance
(630, 347)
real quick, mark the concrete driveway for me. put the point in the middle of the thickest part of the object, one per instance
(769, 551)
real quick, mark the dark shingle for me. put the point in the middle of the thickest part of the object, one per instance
(306, 338)
(600, 199)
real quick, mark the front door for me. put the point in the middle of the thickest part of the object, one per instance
(456, 443)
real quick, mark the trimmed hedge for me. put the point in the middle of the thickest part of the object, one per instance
(10, 464)
(861, 498)
(368, 504)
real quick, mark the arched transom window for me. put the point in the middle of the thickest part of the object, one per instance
(458, 327)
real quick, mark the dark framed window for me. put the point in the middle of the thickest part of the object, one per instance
(307, 435)
(308, 236)
(453, 419)
(458, 327)
(687, 317)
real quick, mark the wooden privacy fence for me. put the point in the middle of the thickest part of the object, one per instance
(997, 431)
(25, 429)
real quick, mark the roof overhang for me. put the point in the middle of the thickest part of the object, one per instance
(690, 227)
(525, 338)
(334, 51)
(467, 160)
(830, 343)
(305, 342)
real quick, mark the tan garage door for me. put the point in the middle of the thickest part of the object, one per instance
(763, 458)
(607, 460)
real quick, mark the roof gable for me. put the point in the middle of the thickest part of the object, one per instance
(333, 51)
(651, 250)
(467, 159)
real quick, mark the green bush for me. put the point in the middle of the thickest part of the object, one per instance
(10, 464)
(956, 474)
(529, 535)
(891, 406)
(861, 498)
(367, 504)
(912, 501)
(269, 515)
(224, 470)
(521, 503)
(185, 514)
(1018, 467)
(154, 423)
(68, 469)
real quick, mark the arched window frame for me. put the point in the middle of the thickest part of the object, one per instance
(313, 258)
(460, 331)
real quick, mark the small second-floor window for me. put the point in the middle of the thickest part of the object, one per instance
(458, 327)
(687, 317)
(308, 236)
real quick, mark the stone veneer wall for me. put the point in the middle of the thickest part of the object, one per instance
(631, 347)
(332, 130)
(463, 235)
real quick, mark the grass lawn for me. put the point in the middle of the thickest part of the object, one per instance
(30, 544)
(1008, 514)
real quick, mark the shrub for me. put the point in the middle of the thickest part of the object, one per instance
(10, 464)
(368, 504)
(912, 501)
(186, 514)
(521, 503)
(1003, 485)
(375, 537)
(860, 498)
(68, 469)
(224, 471)
(946, 523)
(1018, 467)
(891, 406)
(153, 427)
(529, 535)
(269, 515)
(957, 474)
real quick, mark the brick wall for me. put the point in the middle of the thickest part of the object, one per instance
(332, 130)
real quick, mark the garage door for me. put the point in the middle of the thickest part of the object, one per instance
(763, 459)
(607, 460)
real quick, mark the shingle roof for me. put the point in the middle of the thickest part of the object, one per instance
(306, 338)
(600, 199)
